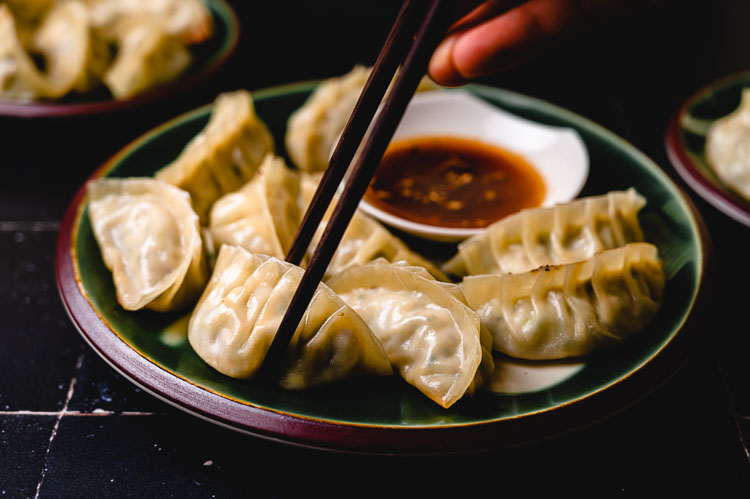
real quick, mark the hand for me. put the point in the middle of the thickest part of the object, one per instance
(491, 37)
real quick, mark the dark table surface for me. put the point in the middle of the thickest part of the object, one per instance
(70, 426)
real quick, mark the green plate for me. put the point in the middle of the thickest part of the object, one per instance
(208, 58)
(387, 415)
(686, 141)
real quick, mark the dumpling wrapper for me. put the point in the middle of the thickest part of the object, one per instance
(314, 127)
(570, 310)
(263, 216)
(150, 239)
(147, 56)
(240, 311)
(430, 335)
(224, 155)
(728, 147)
(555, 235)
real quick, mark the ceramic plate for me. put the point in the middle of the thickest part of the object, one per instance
(686, 140)
(387, 415)
(208, 57)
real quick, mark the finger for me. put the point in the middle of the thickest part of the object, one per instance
(512, 37)
(441, 67)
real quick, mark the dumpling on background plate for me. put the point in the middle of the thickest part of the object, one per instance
(187, 20)
(74, 57)
(150, 239)
(430, 335)
(240, 311)
(147, 56)
(728, 147)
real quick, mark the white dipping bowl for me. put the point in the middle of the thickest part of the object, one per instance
(557, 154)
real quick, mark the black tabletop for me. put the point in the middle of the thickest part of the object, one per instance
(70, 426)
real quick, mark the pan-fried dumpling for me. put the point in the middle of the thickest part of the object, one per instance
(150, 239)
(429, 334)
(554, 235)
(728, 147)
(313, 128)
(240, 311)
(263, 216)
(573, 309)
(72, 55)
(147, 56)
(224, 155)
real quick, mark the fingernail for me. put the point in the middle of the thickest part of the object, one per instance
(441, 67)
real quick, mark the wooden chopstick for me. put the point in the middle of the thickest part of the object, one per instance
(380, 77)
(435, 23)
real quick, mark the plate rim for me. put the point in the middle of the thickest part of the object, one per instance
(43, 109)
(720, 198)
(372, 438)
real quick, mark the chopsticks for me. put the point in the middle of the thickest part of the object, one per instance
(436, 16)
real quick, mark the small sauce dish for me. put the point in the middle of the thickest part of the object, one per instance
(553, 160)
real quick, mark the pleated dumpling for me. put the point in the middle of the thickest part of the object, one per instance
(240, 311)
(73, 56)
(263, 216)
(224, 155)
(365, 239)
(570, 310)
(728, 147)
(430, 335)
(147, 56)
(313, 128)
(556, 235)
(150, 239)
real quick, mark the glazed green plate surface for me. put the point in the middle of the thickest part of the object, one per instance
(207, 58)
(387, 415)
(686, 141)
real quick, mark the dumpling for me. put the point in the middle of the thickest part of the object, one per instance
(554, 235)
(240, 311)
(73, 56)
(728, 148)
(150, 239)
(313, 128)
(187, 20)
(263, 216)
(224, 155)
(429, 334)
(147, 56)
(28, 14)
(364, 240)
(573, 309)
